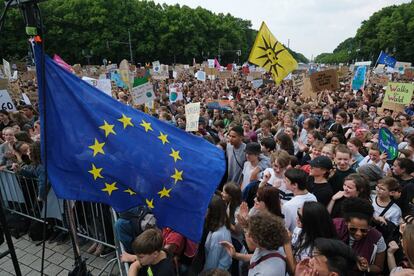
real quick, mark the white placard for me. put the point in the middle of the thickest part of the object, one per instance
(7, 69)
(156, 66)
(210, 63)
(142, 94)
(201, 76)
(6, 102)
(192, 115)
(105, 86)
(26, 99)
(257, 83)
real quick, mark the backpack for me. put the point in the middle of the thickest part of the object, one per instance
(35, 232)
(141, 217)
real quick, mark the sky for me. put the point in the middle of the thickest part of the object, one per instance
(311, 26)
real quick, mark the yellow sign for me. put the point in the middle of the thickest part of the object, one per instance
(270, 54)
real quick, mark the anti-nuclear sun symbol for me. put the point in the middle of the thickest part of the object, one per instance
(271, 55)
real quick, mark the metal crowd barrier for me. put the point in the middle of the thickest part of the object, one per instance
(94, 221)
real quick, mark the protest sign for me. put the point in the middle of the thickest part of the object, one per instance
(399, 93)
(7, 69)
(387, 143)
(255, 75)
(363, 63)
(324, 80)
(201, 76)
(142, 94)
(393, 107)
(26, 99)
(257, 83)
(225, 75)
(380, 80)
(175, 92)
(156, 66)
(380, 69)
(211, 71)
(105, 86)
(401, 66)
(409, 74)
(307, 91)
(164, 68)
(6, 102)
(210, 63)
(298, 80)
(358, 81)
(192, 115)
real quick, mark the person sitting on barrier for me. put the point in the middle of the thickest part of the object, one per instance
(130, 225)
(152, 259)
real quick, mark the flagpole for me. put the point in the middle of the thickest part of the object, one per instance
(376, 63)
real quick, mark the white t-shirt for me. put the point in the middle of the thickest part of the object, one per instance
(306, 252)
(393, 214)
(247, 172)
(386, 169)
(290, 209)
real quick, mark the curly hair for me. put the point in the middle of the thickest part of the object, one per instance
(267, 231)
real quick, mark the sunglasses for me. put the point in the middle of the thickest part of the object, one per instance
(353, 230)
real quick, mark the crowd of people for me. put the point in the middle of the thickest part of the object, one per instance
(307, 190)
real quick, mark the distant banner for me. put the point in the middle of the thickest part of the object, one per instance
(325, 80)
(387, 143)
(358, 80)
(399, 93)
(192, 116)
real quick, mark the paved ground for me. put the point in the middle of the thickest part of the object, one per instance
(58, 259)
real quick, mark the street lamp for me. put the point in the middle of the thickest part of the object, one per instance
(126, 43)
(87, 54)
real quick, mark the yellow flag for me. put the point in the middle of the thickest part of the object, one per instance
(270, 54)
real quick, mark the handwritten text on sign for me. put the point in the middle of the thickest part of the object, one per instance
(192, 115)
(400, 93)
(325, 80)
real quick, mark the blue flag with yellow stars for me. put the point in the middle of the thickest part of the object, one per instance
(101, 150)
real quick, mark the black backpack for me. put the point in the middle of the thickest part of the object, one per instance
(137, 215)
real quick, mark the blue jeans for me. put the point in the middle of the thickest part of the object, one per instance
(124, 230)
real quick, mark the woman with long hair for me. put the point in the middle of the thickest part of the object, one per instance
(218, 227)
(285, 142)
(313, 222)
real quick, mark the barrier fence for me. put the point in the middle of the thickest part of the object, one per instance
(93, 221)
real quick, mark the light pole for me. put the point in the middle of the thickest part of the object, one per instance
(88, 54)
(125, 43)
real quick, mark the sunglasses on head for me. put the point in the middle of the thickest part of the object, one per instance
(353, 230)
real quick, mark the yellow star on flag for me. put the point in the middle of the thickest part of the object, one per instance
(97, 147)
(150, 203)
(175, 154)
(164, 192)
(270, 54)
(163, 138)
(107, 128)
(96, 172)
(177, 176)
(126, 121)
(109, 188)
(146, 125)
(130, 192)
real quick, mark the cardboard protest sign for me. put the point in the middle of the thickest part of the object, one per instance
(387, 143)
(324, 80)
(380, 80)
(164, 68)
(394, 107)
(298, 80)
(225, 75)
(257, 83)
(307, 91)
(20, 66)
(142, 94)
(255, 75)
(7, 69)
(6, 102)
(192, 116)
(211, 71)
(4, 83)
(399, 93)
(409, 73)
(358, 81)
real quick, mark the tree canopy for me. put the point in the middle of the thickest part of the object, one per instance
(82, 29)
(390, 29)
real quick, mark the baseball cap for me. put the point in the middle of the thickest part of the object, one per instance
(322, 162)
(253, 148)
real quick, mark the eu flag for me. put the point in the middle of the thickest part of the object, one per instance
(386, 59)
(101, 150)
